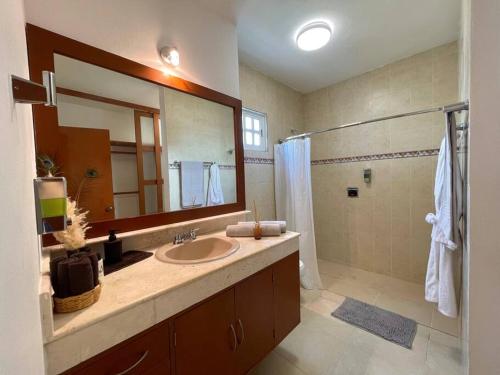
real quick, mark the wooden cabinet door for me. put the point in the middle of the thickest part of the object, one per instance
(205, 338)
(254, 319)
(81, 150)
(286, 295)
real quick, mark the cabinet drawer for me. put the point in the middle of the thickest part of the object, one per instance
(145, 353)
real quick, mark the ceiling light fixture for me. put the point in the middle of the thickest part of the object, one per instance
(314, 35)
(171, 56)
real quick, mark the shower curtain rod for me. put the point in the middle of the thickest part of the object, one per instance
(446, 109)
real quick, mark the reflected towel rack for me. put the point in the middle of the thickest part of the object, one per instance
(177, 163)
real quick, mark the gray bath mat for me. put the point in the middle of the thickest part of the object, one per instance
(386, 324)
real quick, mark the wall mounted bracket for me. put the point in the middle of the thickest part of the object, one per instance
(25, 91)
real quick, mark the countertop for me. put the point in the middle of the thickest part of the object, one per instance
(139, 296)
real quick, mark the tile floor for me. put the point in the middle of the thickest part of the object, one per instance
(324, 345)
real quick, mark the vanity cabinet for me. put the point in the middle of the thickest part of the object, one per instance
(226, 334)
(231, 332)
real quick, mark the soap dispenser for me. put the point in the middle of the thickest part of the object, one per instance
(112, 249)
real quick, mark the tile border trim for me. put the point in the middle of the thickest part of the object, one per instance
(385, 156)
(355, 159)
(252, 160)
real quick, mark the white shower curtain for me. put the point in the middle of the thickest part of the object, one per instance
(292, 181)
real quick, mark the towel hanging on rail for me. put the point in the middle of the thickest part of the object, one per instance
(215, 195)
(445, 238)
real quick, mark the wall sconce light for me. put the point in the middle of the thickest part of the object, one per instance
(170, 55)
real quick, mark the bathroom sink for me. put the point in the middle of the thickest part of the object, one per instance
(203, 249)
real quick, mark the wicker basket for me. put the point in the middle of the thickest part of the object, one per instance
(75, 303)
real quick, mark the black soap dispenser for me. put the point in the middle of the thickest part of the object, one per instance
(112, 249)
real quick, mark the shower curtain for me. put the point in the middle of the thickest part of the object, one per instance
(292, 179)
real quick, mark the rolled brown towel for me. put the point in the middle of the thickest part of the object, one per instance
(53, 272)
(94, 261)
(246, 230)
(81, 276)
(62, 286)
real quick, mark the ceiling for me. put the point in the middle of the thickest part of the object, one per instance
(223, 8)
(368, 34)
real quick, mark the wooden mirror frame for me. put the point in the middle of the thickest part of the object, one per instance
(43, 44)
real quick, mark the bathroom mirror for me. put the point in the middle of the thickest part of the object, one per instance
(137, 147)
(130, 147)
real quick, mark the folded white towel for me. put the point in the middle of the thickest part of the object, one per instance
(247, 230)
(282, 224)
(192, 184)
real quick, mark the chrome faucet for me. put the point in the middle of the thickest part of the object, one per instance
(184, 237)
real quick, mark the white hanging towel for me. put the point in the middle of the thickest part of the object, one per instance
(192, 189)
(214, 194)
(439, 283)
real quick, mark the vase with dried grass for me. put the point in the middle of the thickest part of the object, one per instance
(257, 231)
(73, 240)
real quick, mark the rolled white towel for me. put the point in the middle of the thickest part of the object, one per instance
(246, 230)
(282, 224)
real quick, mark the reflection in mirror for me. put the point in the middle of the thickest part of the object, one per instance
(129, 147)
(199, 127)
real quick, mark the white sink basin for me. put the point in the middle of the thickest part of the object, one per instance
(203, 249)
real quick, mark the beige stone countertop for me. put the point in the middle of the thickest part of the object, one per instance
(179, 286)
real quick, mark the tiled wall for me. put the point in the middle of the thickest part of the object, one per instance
(384, 229)
(283, 107)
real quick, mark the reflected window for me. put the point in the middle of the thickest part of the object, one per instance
(254, 130)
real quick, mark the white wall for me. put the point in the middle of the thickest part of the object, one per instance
(84, 113)
(484, 273)
(21, 350)
(135, 29)
(92, 79)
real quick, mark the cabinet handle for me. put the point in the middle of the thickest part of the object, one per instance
(242, 332)
(144, 355)
(235, 340)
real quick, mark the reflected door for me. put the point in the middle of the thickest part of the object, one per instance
(85, 161)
